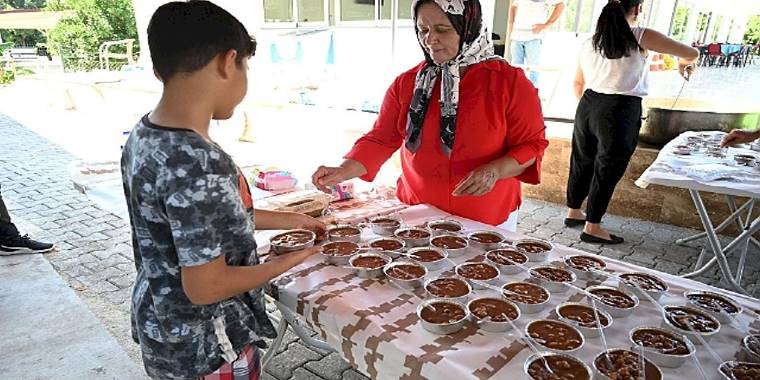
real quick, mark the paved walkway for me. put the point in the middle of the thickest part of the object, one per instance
(95, 256)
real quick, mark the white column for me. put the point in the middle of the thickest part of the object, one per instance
(710, 27)
(724, 28)
(691, 25)
(664, 16)
(740, 26)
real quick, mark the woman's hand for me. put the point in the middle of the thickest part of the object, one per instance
(738, 136)
(479, 182)
(685, 69)
(327, 176)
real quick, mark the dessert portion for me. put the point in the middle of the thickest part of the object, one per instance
(344, 232)
(445, 226)
(449, 242)
(486, 238)
(426, 255)
(740, 370)
(555, 335)
(448, 287)
(369, 262)
(660, 341)
(506, 256)
(442, 313)
(527, 293)
(534, 246)
(386, 244)
(713, 302)
(583, 316)
(614, 298)
(625, 365)
(340, 248)
(585, 263)
(405, 271)
(560, 367)
(292, 238)
(413, 233)
(644, 281)
(386, 223)
(551, 274)
(688, 319)
(493, 309)
(478, 271)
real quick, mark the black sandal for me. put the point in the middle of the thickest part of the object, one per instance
(597, 240)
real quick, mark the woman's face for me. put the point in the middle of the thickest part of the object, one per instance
(438, 36)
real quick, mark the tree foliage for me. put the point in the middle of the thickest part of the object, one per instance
(24, 37)
(752, 35)
(77, 38)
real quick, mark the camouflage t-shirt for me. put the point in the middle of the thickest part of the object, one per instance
(188, 205)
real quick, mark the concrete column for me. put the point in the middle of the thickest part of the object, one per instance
(691, 25)
(724, 28)
(740, 26)
(710, 27)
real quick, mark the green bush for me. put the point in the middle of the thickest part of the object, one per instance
(77, 38)
(7, 75)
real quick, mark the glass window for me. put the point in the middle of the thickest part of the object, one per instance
(278, 11)
(716, 28)
(311, 11)
(572, 8)
(680, 23)
(404, 9)
(587, 16)
(567, 20)
(357, 10)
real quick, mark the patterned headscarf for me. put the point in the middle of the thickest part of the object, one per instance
(475, 46)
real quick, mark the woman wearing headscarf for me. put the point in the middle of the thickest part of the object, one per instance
(611, 79)
(469, 125)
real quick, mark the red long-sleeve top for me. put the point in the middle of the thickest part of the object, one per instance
(499, 114)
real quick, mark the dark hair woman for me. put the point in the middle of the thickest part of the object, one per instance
(613, 70)
(469, 125)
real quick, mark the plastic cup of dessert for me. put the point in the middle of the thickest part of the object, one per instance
(722, 317)
(569, 327)
(548, 355)
(412, 242)
(461, 299)
(582, 274)
(508, 267)
(614, 311)
(537, 250)
(431, 266)
(488, 324)
(690, 333)
(385, 225)
(659, 357)
(655, 375)
(369, 272)
(309, 238)
(475, 241)
(479, 284)
(527, 308)
(588, 331)
(438, 242)
(550, 285)
(442, 328)
(655, 294)
(444, 227)
(339, 259)
(410, 284)
(344, 233)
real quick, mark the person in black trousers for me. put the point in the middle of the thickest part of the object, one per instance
(613, 71)
(11, 241)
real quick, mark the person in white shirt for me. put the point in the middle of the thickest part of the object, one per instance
(527, 22)
(613, 71)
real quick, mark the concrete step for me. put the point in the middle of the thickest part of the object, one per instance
(46, 330)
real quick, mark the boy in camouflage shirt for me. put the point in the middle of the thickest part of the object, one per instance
(197, 304)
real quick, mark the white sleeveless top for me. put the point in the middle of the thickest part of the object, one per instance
(622, 76)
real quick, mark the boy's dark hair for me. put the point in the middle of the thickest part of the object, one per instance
(185, 36)
(614, 38)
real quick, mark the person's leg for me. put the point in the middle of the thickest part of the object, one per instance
(617, 124)
(11, 242)
(518, 52)
(7, 228)
(581, 161)
(533, 58)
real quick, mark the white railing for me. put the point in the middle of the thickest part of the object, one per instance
(105, 55)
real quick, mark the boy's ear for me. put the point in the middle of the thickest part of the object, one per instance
(227, 63)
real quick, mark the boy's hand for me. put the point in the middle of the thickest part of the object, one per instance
(738, 136)
(296, 220)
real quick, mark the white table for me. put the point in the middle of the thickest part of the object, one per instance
(672, 170)
(374, 326)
